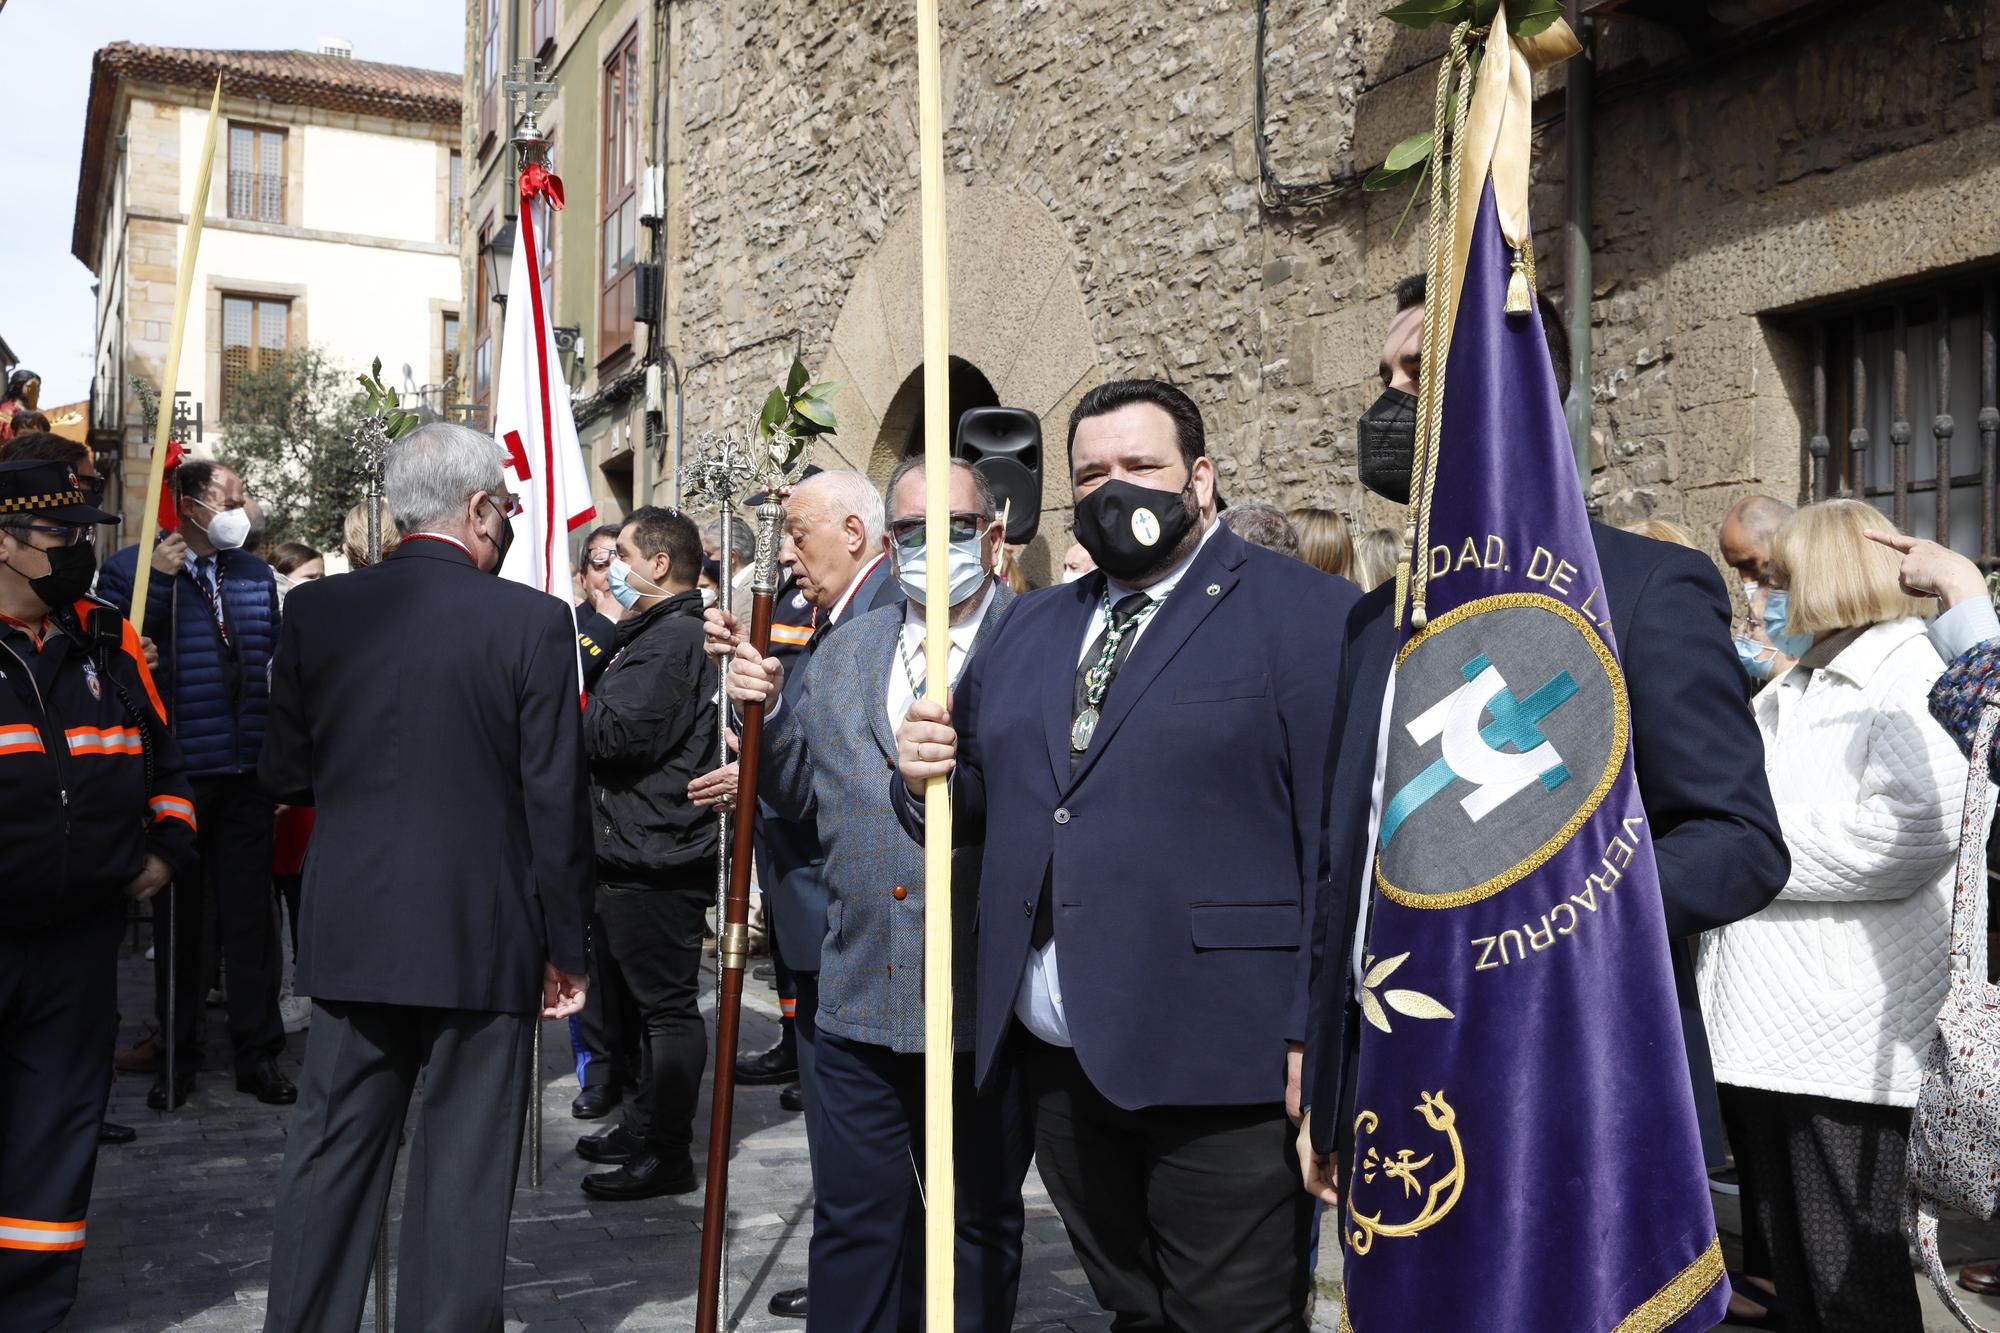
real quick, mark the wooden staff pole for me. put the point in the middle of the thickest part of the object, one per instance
(149, 524)
(732, 938)
(940, 1208)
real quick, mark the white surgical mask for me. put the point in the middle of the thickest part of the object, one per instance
(707, 598)
(229, 529)
(1072, 575)
(962, 565)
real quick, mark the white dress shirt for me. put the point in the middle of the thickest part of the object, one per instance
(1375, 789)
(1039, 1004)
(904, 679)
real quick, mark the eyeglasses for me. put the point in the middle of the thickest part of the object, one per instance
(507, 503)
(600, 558)
(911, 532)
(70, 534)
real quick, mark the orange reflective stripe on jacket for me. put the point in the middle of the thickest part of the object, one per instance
(173, 807)
(21, 740)
(21, 1233)
(104, 740)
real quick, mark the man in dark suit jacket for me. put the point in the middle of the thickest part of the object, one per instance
(429, 713)
(1145, 761)
(1699, 759)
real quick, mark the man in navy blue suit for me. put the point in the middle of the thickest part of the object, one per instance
(1144, 754)
(1700, 761)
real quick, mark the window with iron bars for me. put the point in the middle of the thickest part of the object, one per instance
(1906, 412)
(256, 173)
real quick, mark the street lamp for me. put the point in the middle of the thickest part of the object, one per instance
(499, 260)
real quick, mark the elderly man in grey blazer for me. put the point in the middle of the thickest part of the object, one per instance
(826, 750)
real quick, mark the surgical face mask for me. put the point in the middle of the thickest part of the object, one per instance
(962, 567)
(1756, 658)
(1072, 575)
(1386, 444)
(229, 529)
(621, 576)
(1776, 614)
(707, 598)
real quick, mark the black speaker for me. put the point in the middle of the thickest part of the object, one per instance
(1005, 444)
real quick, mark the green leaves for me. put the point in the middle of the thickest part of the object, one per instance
(1529, 18)
(383, 402)
(1424, 13)
(795, 412)
(1525, 18)
(1405, 160)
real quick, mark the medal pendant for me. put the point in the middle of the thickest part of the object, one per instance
(1083, 729)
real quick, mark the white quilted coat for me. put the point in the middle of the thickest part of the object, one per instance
(1833, 988)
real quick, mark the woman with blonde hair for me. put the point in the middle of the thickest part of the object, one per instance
(1664, 530)
(1819, 1008)
(1376, 556)
(1326, 542)
(354, 533)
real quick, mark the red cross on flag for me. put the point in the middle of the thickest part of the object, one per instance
(531, 415)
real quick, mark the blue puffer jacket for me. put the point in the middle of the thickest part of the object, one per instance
(216, 696)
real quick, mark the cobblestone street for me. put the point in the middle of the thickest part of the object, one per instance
(180, 1221)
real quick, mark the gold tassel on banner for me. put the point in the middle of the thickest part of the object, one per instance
(1520, 297)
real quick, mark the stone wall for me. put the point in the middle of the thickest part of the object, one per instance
(1856, 151)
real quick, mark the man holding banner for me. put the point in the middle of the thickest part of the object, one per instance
(1519, 842)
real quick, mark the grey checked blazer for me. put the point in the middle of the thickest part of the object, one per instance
(826, 758)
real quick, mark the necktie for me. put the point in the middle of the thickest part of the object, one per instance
(1123, 614)
(207, 573)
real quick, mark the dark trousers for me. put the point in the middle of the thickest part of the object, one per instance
(1187, 1218)
(1822, 1183)
(654, 936)
(362, 1063)
(867, 1256)
(58, 1024)
(607, 1031)
(782, 976)
(289, 887)
(805, 1027)
(235, 821)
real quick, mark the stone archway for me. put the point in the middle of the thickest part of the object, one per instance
(1017, 323)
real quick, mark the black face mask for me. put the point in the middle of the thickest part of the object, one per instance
(1114, 522)
(505, 541)
(71, 569)
(1387, 444)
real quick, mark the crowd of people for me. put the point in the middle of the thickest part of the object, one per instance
(385, 820)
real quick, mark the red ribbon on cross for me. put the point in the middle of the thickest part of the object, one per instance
(170, 518)
(537, 181)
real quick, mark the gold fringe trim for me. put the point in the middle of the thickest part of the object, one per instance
(1621, 736)
(1679, 1296)
(1668, 1304)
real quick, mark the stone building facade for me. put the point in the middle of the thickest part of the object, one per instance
(1785, 192)
(1755, 165)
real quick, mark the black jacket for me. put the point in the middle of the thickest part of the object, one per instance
(85, 801)
(1700, 766)
(649, 730)
(430, 713)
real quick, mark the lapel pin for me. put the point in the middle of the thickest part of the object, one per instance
(1215, 590)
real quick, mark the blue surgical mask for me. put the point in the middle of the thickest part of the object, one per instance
(618, 576)
(1776, 616)
(962, 564)
(1756, 658)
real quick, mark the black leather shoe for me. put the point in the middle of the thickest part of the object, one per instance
(261, 1079)
(789, 1304)
(596, 1101)
(156, 1096)
(644, 1177)
(792, 1098)
(611, 1147)
(780, 1064)
(116, 1134)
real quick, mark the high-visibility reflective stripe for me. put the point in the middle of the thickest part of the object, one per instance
(173, 807)
(104, 740)
(21, 740)
(793, 634)
(22, 1233)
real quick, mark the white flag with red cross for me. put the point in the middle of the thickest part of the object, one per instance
(531, 415)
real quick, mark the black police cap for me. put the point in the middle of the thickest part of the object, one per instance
(48, 490)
